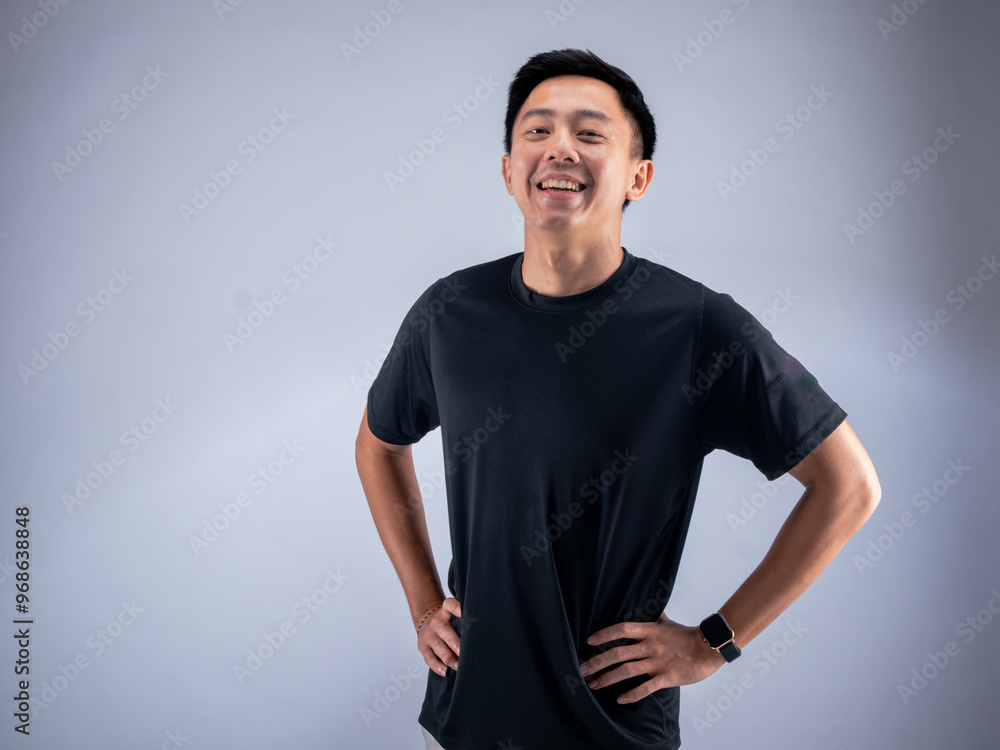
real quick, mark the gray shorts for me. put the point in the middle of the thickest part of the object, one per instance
(432, 744)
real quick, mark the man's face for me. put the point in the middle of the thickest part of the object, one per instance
(573, 127)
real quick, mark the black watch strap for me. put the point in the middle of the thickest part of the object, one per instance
(730, 651)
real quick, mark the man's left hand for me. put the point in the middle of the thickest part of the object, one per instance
(670, 653)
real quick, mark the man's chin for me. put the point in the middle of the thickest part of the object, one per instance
(557, 216)
(554, 223)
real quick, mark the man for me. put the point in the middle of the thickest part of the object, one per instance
(578, 389)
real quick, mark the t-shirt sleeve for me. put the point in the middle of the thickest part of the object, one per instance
(402, 404)
(752, 398)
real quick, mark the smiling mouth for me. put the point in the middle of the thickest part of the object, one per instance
(566, 186)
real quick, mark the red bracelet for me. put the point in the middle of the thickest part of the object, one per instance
(425, 617)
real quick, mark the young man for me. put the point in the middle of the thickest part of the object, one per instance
(578, 389)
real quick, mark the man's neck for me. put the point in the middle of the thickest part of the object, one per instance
(561, 267)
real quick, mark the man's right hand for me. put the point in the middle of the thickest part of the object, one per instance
(438, 642)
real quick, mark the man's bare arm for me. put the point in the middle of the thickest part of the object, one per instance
(390, 484)
(842, 491)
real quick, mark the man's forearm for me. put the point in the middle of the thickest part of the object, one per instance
(817, 528)
(393, 493)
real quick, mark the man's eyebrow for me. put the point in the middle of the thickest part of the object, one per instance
(580, 114)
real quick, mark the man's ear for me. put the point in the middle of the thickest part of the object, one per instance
(505, 171)
(640, 183)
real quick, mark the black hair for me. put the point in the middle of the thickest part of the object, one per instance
(578, 62)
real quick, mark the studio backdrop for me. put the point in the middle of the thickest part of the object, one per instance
(214, 215)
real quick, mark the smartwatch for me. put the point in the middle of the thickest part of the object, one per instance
(715, 631)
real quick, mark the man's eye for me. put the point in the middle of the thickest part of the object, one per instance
(586, 133)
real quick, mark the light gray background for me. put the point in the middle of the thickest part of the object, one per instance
(303, 374)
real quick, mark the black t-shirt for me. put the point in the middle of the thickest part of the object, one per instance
(574, 431)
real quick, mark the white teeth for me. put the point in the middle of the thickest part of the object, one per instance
(564, 184)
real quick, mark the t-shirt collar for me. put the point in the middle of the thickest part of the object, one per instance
(572, 301)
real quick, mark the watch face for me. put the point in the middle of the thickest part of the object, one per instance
(716, 631)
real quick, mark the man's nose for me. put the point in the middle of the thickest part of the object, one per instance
(561, 146)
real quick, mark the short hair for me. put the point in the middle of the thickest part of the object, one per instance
(578, 62)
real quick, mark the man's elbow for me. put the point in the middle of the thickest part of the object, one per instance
(865, 494)
(841, 465)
